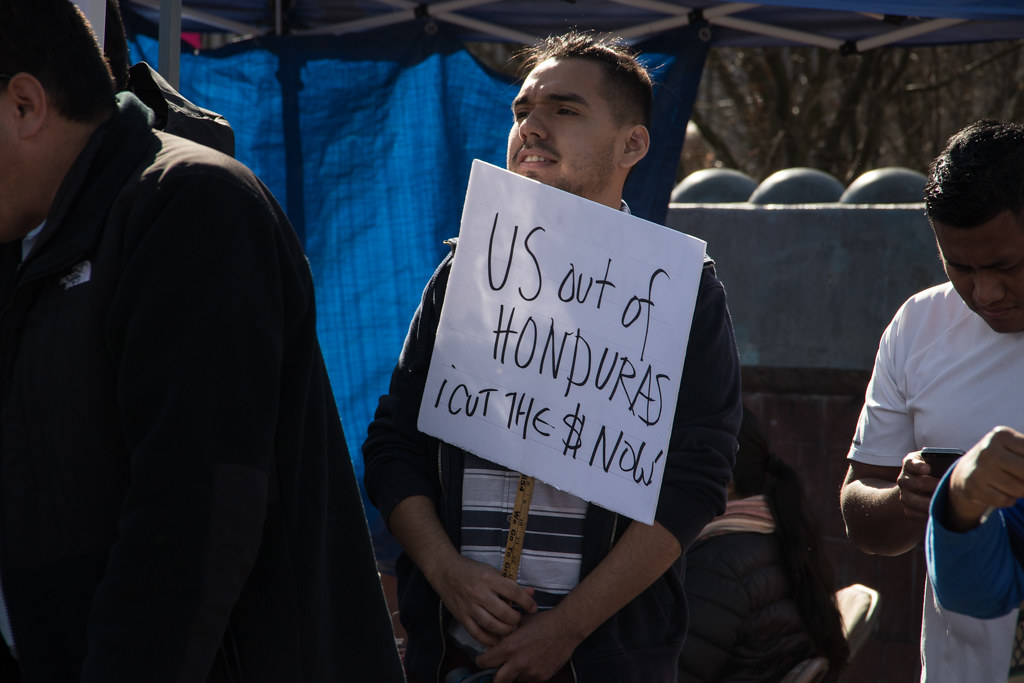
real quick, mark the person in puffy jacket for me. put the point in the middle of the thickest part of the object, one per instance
(758, 583)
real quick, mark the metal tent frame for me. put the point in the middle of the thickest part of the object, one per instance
(842, 25)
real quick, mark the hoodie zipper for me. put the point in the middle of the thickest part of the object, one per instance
(444, 641)
(611, 542)
(440, 603)
(440, 471)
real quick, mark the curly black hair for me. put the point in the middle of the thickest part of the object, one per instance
(979, 175)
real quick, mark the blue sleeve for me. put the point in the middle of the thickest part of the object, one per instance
(975, 573)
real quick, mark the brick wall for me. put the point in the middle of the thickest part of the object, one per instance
(812, 431)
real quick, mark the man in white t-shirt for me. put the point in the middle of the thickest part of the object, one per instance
(950, 369)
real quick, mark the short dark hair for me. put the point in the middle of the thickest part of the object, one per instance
(52, 41)
(979, 175)
(115, 45)
(628, 84)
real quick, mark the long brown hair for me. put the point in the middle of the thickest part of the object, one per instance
(759, 471)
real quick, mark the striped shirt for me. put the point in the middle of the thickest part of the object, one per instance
(553, 544)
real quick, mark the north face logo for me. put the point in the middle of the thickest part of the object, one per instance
(79, 274)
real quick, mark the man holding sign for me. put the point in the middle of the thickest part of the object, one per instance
(599, 595)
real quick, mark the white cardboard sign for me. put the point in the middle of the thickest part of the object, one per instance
(560, 348)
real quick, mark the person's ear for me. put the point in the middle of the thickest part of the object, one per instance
(27, 99)
(637, 142)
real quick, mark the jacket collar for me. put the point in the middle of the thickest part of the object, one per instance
(100, 172)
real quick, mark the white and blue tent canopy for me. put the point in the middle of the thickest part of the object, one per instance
(847, 25)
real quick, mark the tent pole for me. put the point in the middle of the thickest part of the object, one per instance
(486, 27)
(278, 18)
(405, 10)
(211, 20)
(169, 60)
(96, 12)
(800, 37)
(907, 32)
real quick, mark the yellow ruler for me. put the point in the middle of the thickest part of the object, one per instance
(517, 528)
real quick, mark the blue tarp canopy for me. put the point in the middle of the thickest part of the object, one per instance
(366, 135)
(367, 142)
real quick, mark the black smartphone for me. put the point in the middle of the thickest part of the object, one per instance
(940, 459)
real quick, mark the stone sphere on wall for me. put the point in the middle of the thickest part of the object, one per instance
(713, 186)
(798, 186)
(891, 185)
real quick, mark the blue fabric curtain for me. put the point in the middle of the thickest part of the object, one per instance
(367, 142)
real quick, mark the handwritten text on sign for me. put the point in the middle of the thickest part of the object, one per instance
(560, 347)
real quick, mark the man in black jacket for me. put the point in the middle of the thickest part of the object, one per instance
(176, 499)
(617, 612)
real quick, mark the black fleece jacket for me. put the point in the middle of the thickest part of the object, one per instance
(176, 499)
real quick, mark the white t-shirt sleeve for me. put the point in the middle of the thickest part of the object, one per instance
(885, 429)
